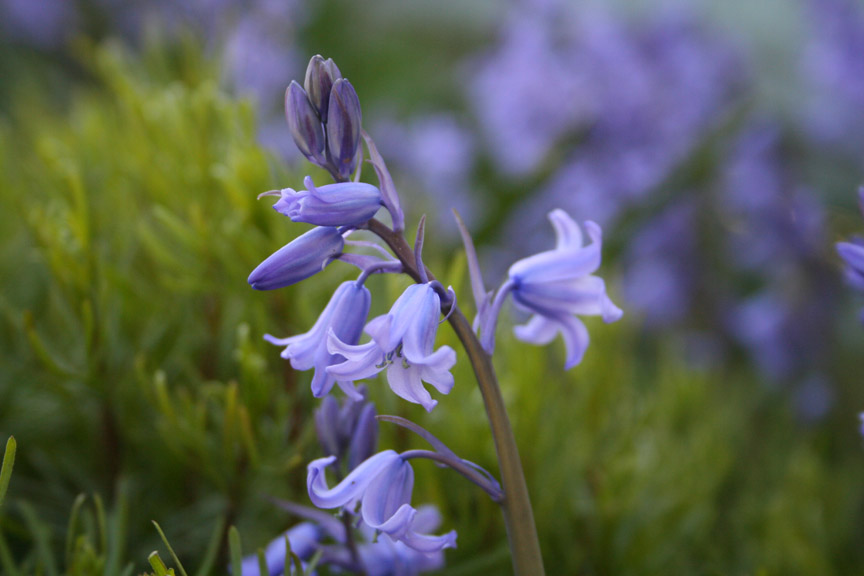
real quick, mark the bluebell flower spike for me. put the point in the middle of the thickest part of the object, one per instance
(304, 124)
(402, 343)
(298, 260)
(343, 317)
(343, 129)
(339, 204)
(320, 76)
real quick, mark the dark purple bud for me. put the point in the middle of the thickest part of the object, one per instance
(303, 257)
(304, 124)
(364, 441)
(343, 128)
(328, 434)
(320, 76)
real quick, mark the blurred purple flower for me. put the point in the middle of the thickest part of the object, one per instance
(833, 71)
(305, 539)
(43, 23)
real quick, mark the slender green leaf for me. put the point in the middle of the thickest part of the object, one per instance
(8, 464)
(170, 549)
(236, 551)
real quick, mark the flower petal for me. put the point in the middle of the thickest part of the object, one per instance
(405, 383)
(352, 487)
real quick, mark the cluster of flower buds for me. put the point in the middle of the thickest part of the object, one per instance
(325, 118)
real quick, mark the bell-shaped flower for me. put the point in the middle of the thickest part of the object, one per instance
(301, 258)
(387, 557)
(340, 204)
(343, 316)
(402, 342)
(558, 285)
(382, 485)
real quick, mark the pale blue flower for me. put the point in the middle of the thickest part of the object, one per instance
(402, 342)
(382, 485)
(339, 204)
(556, 286)
(344, 316)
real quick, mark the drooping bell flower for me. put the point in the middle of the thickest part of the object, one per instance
(344, 316)
(402, 342)
(382, 485)
(557, 286)
(339, 204)
(301, 258)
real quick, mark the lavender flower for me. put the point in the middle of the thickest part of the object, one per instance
(340, 204)
(301, 258)
(555, 286)
(344, 316)
(320, 76)
(382, 485)
(402, 342)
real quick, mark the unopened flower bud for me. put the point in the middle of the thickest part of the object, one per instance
(343, 128)
(364, 441)
(304, 124)
(320, 76)
(303, 257)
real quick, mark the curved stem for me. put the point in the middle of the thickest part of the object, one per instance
(516, 505)
(459, 466)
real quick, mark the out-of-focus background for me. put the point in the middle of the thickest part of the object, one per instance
(720, 144)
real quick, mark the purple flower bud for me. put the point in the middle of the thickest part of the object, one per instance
(344, 316)
(301, 258)
(320, 76)
(383, 485)
(350, 430)
(556, 286)
(340, 204)
(343, 128)
(304, 124)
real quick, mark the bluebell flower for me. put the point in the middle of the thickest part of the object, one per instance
(382, 485)
(402, 342)
(305, 539)
(556, 286)
(339, 204)
(344, 317)
(387, 557)
(301, 258)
